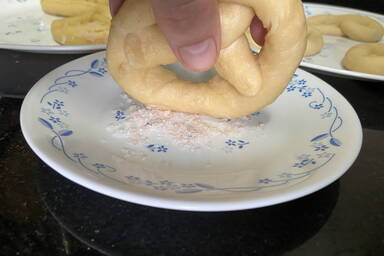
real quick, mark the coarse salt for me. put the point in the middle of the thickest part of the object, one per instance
(144, 124)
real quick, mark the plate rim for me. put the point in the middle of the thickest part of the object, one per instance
(54, 49)
(177, 203)
(342, 72)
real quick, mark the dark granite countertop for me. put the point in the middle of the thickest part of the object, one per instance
(42, 213)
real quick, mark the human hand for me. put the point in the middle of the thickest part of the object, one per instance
(192, 29)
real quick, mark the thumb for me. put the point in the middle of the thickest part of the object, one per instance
(192, 29)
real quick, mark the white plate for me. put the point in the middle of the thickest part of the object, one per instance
(25, 27)
(304, 141)
(329, 59)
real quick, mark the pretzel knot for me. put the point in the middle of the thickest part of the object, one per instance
(245, 84)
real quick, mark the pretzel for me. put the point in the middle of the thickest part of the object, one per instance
(367, 58)
(246, 83)
(326, 23)
(356, 27)
(315, 41)
(71, 8)
(361, 28)
(89, 28)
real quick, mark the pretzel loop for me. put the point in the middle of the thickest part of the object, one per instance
(246, 83)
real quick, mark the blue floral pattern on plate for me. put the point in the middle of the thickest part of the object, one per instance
(283, 179)
(54, 116)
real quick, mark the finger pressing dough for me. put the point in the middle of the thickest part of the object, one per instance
(246, 83)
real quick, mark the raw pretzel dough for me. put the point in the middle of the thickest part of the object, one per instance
(353, 26)
(356, 27)
(366, 58)
(361, 28)
(89, 28)
(315, 41)
(86, 21)
(69, 8)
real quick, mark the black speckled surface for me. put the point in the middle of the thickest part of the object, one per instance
(42, 213)
(266, 230)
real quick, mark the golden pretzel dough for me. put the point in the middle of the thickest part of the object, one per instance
(87, 21)
(246, 83)
(327, 24)
(89, 28)
(361, 28)
(70, 8)
(366, 58)
(315, 41)
(353, 26)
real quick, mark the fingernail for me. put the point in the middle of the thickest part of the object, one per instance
(200, 56)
